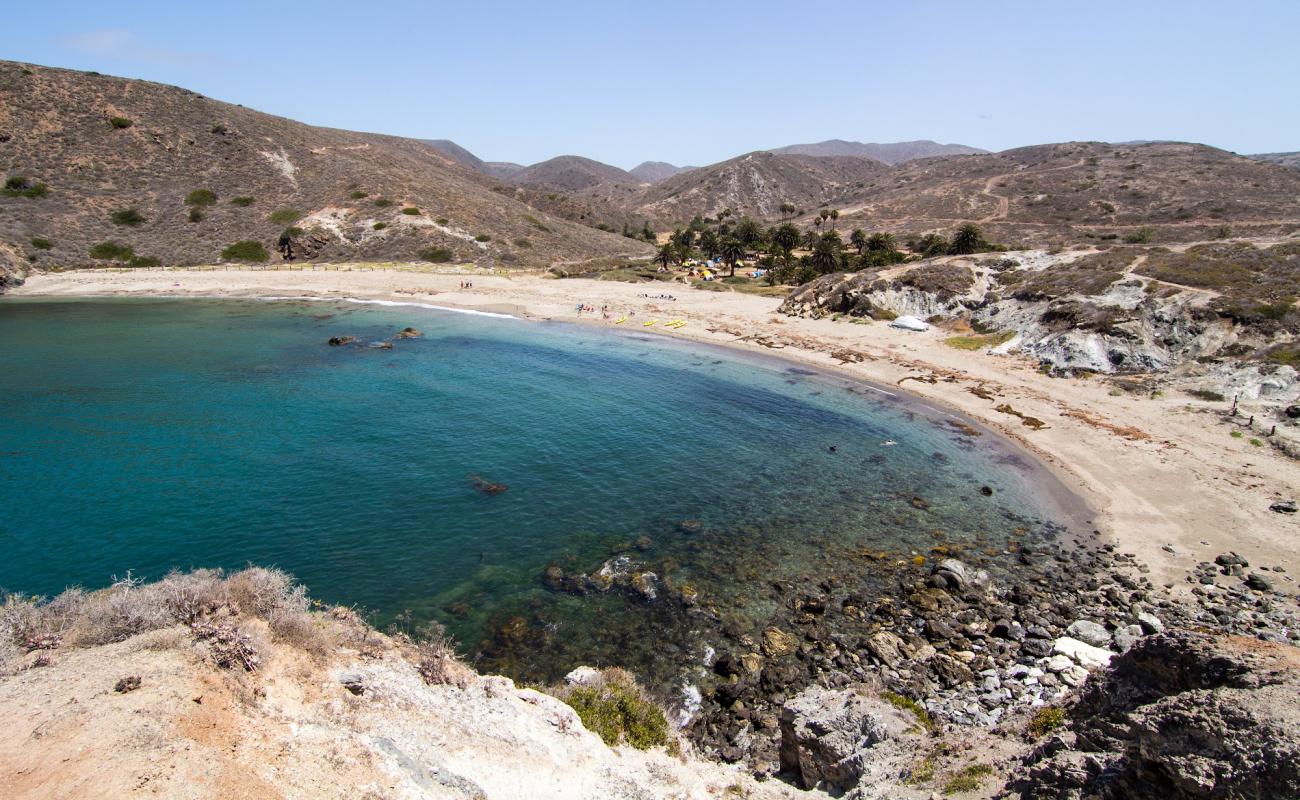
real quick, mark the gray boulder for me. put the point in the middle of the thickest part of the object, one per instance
(1088, 631)
(825, 734)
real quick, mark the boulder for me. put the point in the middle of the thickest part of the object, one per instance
(1082, 653)
(1284, 507)
(825, 734)
(1187, 716)
(583, 676)
(777, 643)
(1088, 631)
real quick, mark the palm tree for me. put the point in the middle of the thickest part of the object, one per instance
(709, 242)
(732, 251)
(810, 239)
(749, 232)
(968, 239)
(784, 236)
(667, 254)
(835, 217)
(826, 256)
(858, 239)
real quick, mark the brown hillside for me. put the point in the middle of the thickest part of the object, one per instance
(343, 192)
(756, 184)
(886, 152)
(570, 174)
(1182, 191)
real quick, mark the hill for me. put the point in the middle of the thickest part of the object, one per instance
(502, 170)
(888, 153)
(655, 171)
(450, 148)
(757, 184)
(1291, 160)
(178, 177)
(570, 174)
(1158, 191)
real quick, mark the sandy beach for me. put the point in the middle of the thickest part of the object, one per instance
(1162, 473)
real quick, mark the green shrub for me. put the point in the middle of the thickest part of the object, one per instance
(618, 711)
(1256, 443)
(382, 202)
(536, 223)
(482, 237)
(42, 244)
(144, 262)
(200, 198)
(438, 255)
(219, 129)
(1237, 435)
(242, 200)
(111, 251)
(442, 220)
(120, 122)
(968, 779)
(19, 186)
(195, 215)
(523, 243)
(285, 216)
(379, 226)
(359, 195)
(129, 217)
(1046, 720)
(1140, 236)
(411, 211)
(246, 250)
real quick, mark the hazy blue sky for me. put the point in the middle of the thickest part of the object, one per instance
(697, 82)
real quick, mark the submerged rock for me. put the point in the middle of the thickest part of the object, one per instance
(338, 341)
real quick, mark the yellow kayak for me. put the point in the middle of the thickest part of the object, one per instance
(650, 323)
(620, 320)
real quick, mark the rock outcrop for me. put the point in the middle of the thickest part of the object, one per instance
(1179, 717)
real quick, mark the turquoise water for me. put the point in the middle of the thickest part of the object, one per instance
(147, 435)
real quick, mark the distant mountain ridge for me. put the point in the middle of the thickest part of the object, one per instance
(570, 174)
(655, 171)
(886, 152)
(1291, 160)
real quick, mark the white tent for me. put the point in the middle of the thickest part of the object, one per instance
(910, 324)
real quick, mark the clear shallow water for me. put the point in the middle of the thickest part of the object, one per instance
(157, 434)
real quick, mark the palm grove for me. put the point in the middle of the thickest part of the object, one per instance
(790, 255)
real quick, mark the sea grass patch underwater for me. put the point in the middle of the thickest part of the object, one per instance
(656, 491)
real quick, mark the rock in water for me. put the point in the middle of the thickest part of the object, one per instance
(338, 341)
(824, 734)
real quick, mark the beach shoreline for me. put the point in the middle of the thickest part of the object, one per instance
(1160, 474)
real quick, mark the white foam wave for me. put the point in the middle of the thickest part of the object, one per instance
(402, 303)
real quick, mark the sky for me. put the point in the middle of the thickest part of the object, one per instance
(700, 82)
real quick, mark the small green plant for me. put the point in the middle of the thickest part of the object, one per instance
(442, 220)
(246, 250)
(144, 262)
(618, 711)
(1256, 443)
(200, 198)
(120, 123)
(536, 223)
(1046, 720)
(438, 255)
(129, 217)
(42, 244)
(979, 342)
(359, 195)
(482, 237)
(1140, 236)
(111, 251)
(968, 779)
(523, 243)
(19, 186)
(411, 211)
(922, 771)
(923, 718)
(379, 226)
(242, 201)
(1237, 435)
(285, 216)
(382, 202)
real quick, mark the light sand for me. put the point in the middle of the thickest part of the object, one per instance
(1158, 471)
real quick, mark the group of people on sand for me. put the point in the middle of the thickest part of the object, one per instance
(467, 284)
(657, 296)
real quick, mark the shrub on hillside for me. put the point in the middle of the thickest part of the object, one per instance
(285, 216)
(200, 198)
(379, 226)
(382, 202)
(482, 237)
(42, 244)
(1140, 236)
(129, 217)
(19, 186)
(411, 211)
(438, 255)
(111, 251)
(442, 220)
(242, 200)
(195, 215)
(246, 250)
(120, 123)
(617, 710)
(144, 262)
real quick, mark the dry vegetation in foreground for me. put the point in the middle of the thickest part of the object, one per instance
(232, 618)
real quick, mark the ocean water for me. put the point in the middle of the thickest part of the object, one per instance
(157, 434)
